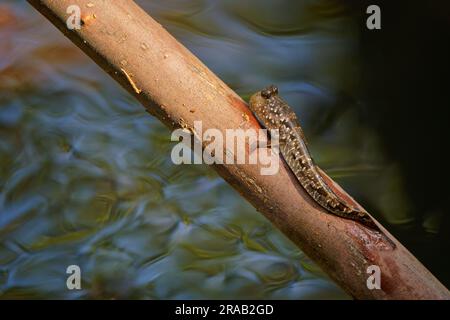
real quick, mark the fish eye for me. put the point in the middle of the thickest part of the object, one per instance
(266, 93)
(269, 91)
(274, 89)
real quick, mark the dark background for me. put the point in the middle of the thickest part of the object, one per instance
(406, 86)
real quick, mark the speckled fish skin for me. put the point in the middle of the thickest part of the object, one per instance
(274, 113)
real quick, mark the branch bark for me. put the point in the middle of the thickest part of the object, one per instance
(174, 86)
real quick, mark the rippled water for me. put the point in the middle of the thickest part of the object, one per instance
(86, 176)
